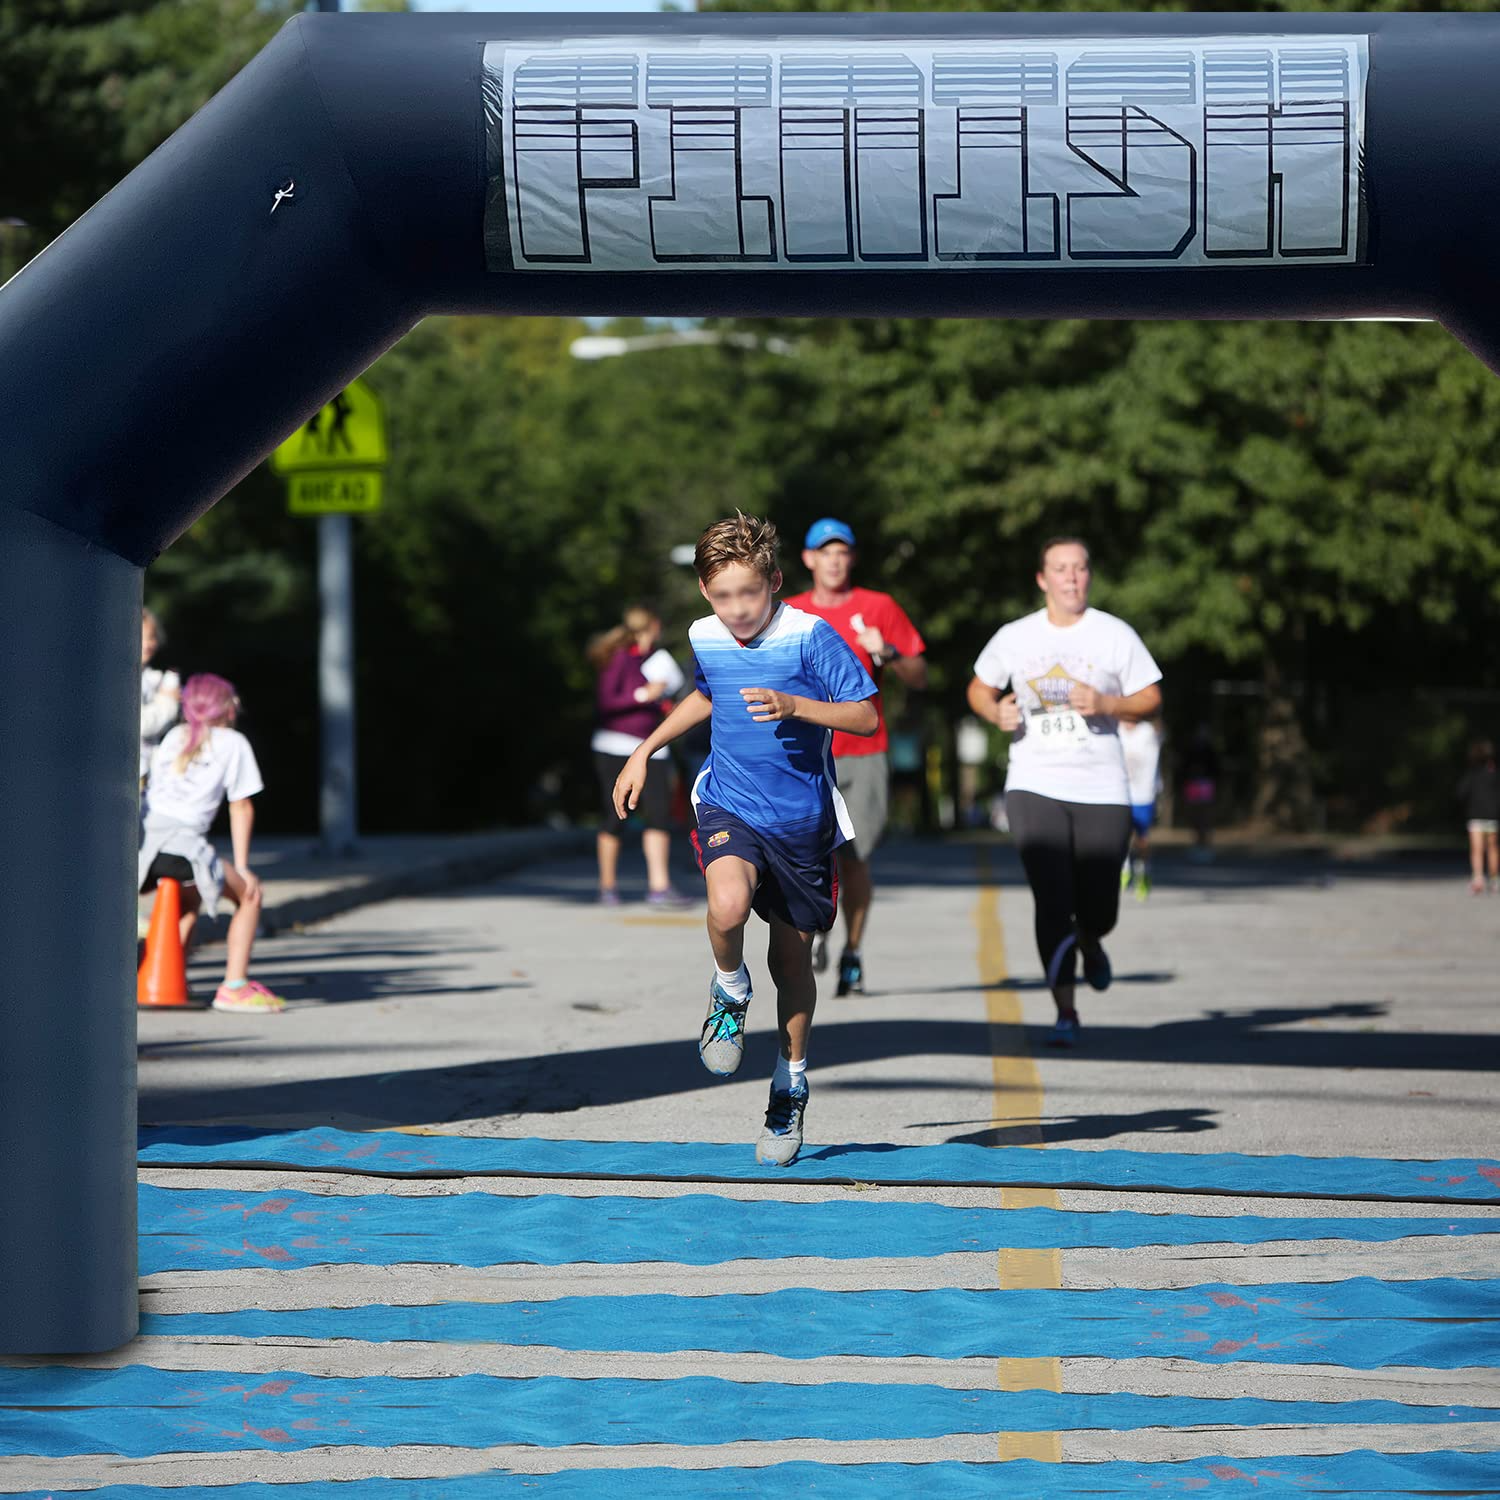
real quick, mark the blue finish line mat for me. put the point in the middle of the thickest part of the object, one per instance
(199, 1229)
(1358, 1473)
(388, 1153)
(1361, 1324)
(137, 1411)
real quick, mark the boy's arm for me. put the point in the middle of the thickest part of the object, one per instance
(766, 706)
(688, 714)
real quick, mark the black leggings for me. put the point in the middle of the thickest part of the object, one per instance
(1072, 853)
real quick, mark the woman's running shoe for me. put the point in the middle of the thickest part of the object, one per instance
(1096, 966)
(251, 996)
(1064, 1032)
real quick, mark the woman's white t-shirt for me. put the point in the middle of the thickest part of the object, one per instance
(1057, 753)
(224, 767)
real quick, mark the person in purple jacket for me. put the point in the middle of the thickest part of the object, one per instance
(636, 685)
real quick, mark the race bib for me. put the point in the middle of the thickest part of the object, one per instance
(1058, 729)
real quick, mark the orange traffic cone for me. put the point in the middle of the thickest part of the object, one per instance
(162, 977)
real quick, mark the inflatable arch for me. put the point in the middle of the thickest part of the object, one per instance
(366, 171)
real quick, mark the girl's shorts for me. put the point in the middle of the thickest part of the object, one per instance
(169, 867)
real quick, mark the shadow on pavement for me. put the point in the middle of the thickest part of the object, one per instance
(565, 1081)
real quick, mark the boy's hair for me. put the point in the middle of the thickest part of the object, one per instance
(740, 539)
(1061, 541)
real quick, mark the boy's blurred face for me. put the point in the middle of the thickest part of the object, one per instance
(742, 597)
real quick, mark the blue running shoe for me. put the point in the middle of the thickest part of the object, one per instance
(1064, 1032)
(1096, 965)
(781, 1140)
(721, 1044)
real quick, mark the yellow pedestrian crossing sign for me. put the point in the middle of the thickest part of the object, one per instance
(348, 433)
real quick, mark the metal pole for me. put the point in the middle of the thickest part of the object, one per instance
(337, 799)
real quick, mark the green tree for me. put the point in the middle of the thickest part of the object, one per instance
(90, 87)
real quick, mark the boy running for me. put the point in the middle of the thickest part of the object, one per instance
(775, 684)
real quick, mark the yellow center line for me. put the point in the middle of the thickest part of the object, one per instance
(1016, 1114)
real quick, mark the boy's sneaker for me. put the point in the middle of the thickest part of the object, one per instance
(851, 974)
(250, 996)
(1096, 968)
(721, 1043)
(669, 899)
(781, 1140)
(820, 953)
(1064, 1032)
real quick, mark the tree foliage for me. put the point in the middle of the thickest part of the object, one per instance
(1308, 512)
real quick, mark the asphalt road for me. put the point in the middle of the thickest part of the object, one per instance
(1282, 1007)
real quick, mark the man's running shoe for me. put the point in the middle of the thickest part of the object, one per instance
(781, 1140)
(721, 1044)
(1064, 1032)
(820, 953)
(1125, 877)
(1096, 967)
(851, 974)
(1142, 887)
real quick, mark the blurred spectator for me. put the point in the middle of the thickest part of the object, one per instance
(161, 692)
(636, 684)
(1479, 792)
(1200, 789)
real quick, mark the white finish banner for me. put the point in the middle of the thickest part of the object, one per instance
(669, 155)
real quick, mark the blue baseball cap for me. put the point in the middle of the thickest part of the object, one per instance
(820, 533)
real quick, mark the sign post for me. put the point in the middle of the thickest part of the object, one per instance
(333, 466)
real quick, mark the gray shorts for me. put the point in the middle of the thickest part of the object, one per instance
(865, 785)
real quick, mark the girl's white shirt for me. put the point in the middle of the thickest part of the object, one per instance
(224, 767)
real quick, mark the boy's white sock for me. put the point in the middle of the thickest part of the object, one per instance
(789, 1075)
(735, 985)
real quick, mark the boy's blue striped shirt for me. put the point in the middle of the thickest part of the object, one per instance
(776, 777)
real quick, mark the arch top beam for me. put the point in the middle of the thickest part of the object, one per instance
(1295, 166)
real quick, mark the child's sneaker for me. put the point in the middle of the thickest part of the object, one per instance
(252, 995)
(608, 896)
(781, 1140)
(1142, 887)
(721, 1043)
(1064, 1032)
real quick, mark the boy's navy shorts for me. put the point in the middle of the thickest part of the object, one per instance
(799, 881)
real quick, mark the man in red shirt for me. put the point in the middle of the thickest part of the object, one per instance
(880, 635)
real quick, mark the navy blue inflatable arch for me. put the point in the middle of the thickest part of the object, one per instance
(366, 171)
